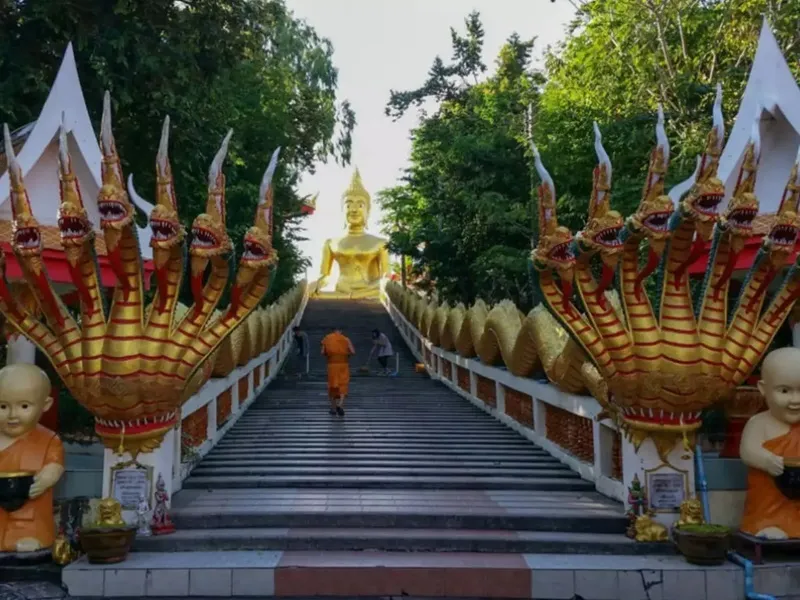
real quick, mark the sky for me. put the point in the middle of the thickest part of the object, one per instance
(380, 45)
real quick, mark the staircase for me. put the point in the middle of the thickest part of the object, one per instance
(414, 482)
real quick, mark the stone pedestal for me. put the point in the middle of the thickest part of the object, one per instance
(666, 483)
(161, 461)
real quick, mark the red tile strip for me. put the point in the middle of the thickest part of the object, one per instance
(425, 574)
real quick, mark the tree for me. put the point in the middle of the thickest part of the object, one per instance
(210, 65)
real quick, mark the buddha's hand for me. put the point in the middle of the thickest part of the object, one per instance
(45, 479)
(772, 463)
(28, 544)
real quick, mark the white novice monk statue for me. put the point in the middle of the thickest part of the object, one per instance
(770, 444)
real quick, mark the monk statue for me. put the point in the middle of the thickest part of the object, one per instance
(362, 257)
(768, 439)
(27, 447)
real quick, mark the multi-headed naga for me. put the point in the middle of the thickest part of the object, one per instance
(131, 365)
(664, 358)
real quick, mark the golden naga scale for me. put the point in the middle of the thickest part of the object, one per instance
(653, 362)
(131, 365)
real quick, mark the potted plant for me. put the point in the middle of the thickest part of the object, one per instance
(108, 539)
(702, 543)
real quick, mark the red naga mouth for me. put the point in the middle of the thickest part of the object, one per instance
(660, 416)
(608, 237)
(27, 238)
(657, 221)
(742, 218)
(73, 227)
(253, 251)
(163, 230)
(707, 204)
(562, 252)
(111, 211)
(783, 235)
(203, 238)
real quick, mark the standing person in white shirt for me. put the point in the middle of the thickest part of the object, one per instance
(382, 344)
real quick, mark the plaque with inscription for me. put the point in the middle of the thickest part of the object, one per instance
(129, 482)
(666, 491)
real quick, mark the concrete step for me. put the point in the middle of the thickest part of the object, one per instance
(248, 460)
(448, 472)
(434, 453)
(397, 540)
(314, 574)
(387, 482)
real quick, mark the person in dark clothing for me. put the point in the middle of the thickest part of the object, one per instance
(301, 347)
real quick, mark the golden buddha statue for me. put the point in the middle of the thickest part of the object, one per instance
(362, 257)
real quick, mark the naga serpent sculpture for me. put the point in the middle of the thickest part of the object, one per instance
(652, 365)
(132, 366)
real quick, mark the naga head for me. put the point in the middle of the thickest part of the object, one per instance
(554, 248)
(702, 201)
(73, 220)
(209, 232)
(165, 225)
(782, 236)
(116, 210)
(651, 219)
(743, 206)
(601, 233)
(26, 235)
(258, 252)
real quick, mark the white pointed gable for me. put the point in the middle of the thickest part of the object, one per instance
(772, 87)
(38, 158)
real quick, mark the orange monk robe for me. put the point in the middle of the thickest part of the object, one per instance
(337, 349)
(766, 506)
(31, 452)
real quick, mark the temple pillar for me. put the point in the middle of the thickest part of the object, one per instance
(132, 474)
(20, 350)
(667, 483)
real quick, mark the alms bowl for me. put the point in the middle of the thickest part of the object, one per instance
(14, 490)
(789, 482)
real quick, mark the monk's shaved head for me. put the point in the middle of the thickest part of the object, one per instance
(14, 375)
(780, 361)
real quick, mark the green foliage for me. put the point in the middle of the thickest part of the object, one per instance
(463, 213)
(210, 65)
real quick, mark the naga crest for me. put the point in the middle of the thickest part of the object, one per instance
(601, 233)
(168, 232)
(742, 208)
(783, 234)
(116, 210)
(209, 232)
(702, 201)
(651, 218)
(73, 220)
(25, 231)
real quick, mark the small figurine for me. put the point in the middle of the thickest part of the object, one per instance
(691, 513)
(648, 530)
(141, 517)
(162, 524)
(109, 513)
(637, 499)
(63, 551)
(769, 438)
(27, 447)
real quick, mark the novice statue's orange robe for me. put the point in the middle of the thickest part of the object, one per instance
(765, 505)
(337, 351)
(31, 452)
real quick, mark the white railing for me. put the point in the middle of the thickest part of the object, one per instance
(239, 389)
(561, 423)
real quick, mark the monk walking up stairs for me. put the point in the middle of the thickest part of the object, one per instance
(337, 349)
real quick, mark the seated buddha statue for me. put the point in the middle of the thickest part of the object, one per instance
(769, 439)
(362, 257)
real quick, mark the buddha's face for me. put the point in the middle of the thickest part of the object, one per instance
(780, 384)
(356, 211)
(24, 396)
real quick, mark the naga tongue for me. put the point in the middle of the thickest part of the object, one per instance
(698, 248)
(163, 284)
(652, 263)
(8, 299)
(197, 291)
(785, 305)
(605, 281)
(236, 300)
(48, 298)
(761, 289)
(726, 274)
(566, 295)
(115, 260)
(83, 291)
